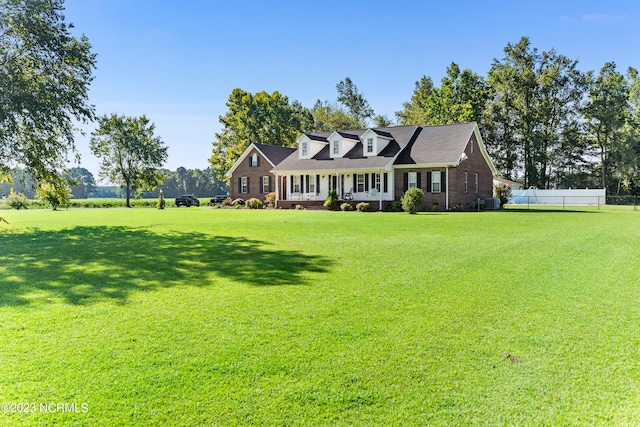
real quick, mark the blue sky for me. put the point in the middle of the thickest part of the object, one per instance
(178, 61)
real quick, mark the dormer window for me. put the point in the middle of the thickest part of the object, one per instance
(254, 159)
(369, 145)
(304, 148)
(336, 147)
(373, 142)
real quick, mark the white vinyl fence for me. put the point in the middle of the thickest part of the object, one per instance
(532, 196)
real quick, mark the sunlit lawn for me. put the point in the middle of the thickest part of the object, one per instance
(234, 317)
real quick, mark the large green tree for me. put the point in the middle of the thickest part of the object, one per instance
(45, 74)
(414, 111)
(626, 157)
(356, 105)
(461, 97)
(129, 152)
(532, 121)
(606, 115)
(328, 117)
(261, 118)
(558, 145)
(513, 80)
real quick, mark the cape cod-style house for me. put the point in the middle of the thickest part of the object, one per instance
(377, 165)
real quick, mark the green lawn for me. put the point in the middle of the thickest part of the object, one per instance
(303, 318)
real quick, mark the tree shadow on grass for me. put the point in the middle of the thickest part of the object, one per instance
(82, 265)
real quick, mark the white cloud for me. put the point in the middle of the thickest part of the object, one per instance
(600, 18)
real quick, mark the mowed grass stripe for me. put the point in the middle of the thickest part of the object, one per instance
(235, 317)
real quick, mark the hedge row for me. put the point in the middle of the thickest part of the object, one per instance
(101, 203)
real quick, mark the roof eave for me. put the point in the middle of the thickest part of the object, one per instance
(243, 156)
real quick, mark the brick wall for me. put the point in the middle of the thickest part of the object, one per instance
(254, 175)
(475, 163)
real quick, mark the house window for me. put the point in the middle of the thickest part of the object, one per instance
(304, 149)
(413, 179)
(244, 184)
(476, 182)
(312, 184)
(265, 184)
(360, 183)
(466, 182)
(336, 147)
(377, 181)
(296, 184)
(435, 181)
(369, 145)
(254, 159)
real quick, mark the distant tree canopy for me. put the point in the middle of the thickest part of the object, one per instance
(129, 152)
(19, 181)
(81, 182)
(199, 182)
(45, 74)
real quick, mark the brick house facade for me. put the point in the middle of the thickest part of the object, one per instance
(449, 163)
(250, 176)
(457, 186)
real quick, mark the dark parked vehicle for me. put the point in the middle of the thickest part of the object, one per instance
(217, 199)
(187, 200)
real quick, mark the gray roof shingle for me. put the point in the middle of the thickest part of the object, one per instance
(274, 153)
(411, 144)
(438, 145)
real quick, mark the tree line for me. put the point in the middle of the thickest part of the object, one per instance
(82, 184)
(546, 123)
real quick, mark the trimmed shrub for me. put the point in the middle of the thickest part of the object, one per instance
(396, 206)
(254, 203)
(332, 200)
(346, 207)
(299, 207)
(435, 208)
(363, 207)
(270, 200)
(54, 195)
(238, 202)
(503, 192)
(16, 201)
(412, 200)
(227, 202)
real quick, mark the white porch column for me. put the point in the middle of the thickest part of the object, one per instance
(277, 189)
(381, 188)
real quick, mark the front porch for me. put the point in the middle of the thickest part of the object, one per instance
(351, 186)
(318, 205)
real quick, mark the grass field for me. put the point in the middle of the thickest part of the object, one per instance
(304, 318)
